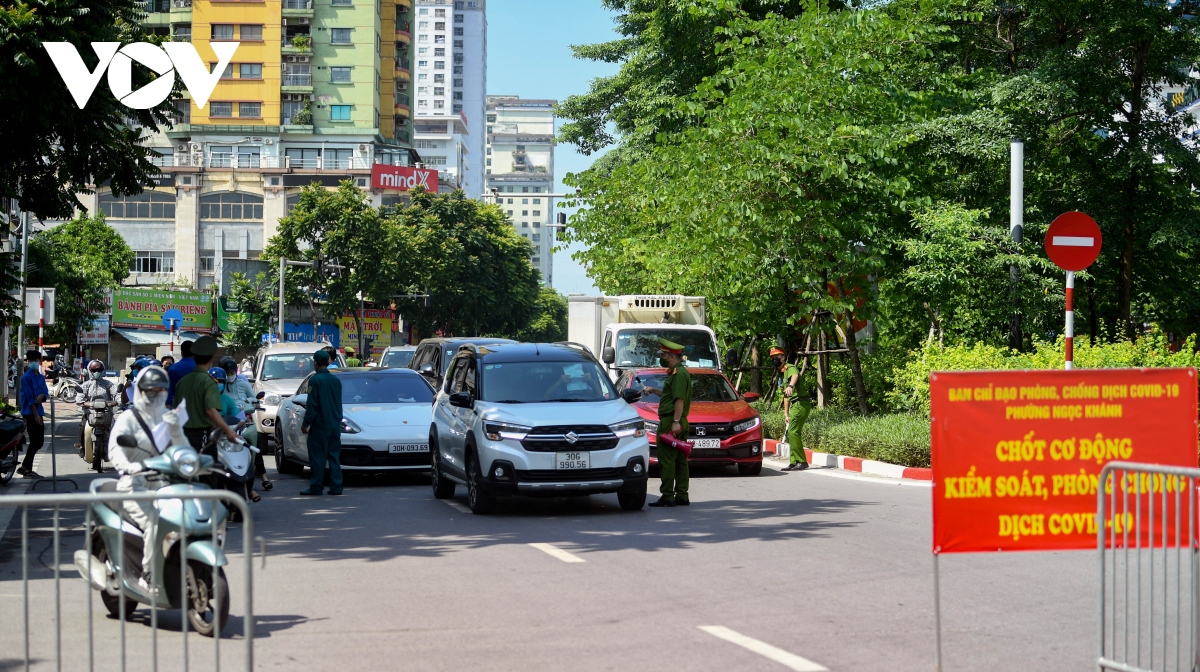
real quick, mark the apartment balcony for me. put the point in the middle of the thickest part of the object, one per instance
(403, 110)
(296, 83)
(403, 35)
(297, 45)
(297, 9)
(181, 11)
(403, 73)
(404, 3)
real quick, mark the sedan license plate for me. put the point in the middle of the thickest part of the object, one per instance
(573, 460)
(706, 443)
(408, 448)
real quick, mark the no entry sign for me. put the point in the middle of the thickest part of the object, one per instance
(1073, 241)
(1017, 454)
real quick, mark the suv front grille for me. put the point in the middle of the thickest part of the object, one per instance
(553, 438)
(718, 430)
(365, 456)
(550, 475)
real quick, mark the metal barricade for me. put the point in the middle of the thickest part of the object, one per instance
(1147, 540)
(70, 503)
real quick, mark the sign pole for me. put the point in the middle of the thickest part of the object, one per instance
(1016, 228)
(282, 265)
(1070, 331)
(937, 615)
(41, 318)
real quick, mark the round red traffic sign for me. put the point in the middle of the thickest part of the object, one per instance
(1073, 241)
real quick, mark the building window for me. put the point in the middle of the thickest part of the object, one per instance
(458, 18)
(489, 151)
(250, 71)
(440, 51)
(250, 110)
(146, 205)
(422, 38)
(458, 95)
(422, 64)
(458, 44)
(439, 90)
(208, 265)
(439, 65)
(290, 109)
(222, 31)
(524, 213)
(537, 225)
(510, 213)
(343, 3)
(439, 12)
(524, 201)
(439, 39)
(537, 260)
(227, 74)
(252, 32)
(524, 225)
(458, 69)
(220, 109)
(303, 157)
(489, 162)
(422, 103)
(339, 112)
(439, 104)
(537, 201)
(422, 89)
(227, 205)
(537, 213)
(439, 25)
(458, 31)
(153, 262)
(422, 51)
(537, 237)
(339, 35)
(424, 11)
(457, 108)
(523, 189)
(422, 77)
(339, 75)
(459, 83)
(510, 201)
(439, 78)
(423, 25)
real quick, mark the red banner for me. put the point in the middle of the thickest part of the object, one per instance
(1017, 454)
(403, 178)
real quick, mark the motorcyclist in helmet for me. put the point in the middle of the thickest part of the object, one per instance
(95, 388)
(126, 389)
(242, 392)
(149, 410)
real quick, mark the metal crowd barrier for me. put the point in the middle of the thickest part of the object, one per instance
(1149, 597)
(58, 503)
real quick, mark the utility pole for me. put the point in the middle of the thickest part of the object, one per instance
(316, 264)
(1016, 227)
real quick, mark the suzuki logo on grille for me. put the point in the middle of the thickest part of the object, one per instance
(571, 437)
(700, 431)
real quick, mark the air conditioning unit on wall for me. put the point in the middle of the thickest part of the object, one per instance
(363, 147)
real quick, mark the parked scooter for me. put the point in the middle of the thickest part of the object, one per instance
(65, 387)
(99, 419)
(12, 439)
(207, 589)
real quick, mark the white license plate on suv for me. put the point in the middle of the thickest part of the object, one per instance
(408, 448)
(706, 443)
(573, 460)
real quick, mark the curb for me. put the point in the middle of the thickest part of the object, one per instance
(872, 467)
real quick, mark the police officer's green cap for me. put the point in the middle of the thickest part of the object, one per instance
(205, 346)
(321, 357)
(670, 346)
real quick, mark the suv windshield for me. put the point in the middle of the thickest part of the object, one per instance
(285, 367)
(384, 388)
(705, 387)
(638, 348)
(397, 359)
(534, 382)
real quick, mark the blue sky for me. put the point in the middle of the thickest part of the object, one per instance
(529, 55)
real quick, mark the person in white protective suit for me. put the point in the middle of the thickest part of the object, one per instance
(149, 409)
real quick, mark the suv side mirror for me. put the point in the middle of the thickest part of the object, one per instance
(426, 369)
(751, 396)
(608, 355)
(631, 395)
(300, 399)
(461, 400)
(260, 395)
(731, 358)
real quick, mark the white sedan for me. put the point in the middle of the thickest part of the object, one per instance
(385, 422)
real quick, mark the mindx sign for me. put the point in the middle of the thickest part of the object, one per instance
(166, 60)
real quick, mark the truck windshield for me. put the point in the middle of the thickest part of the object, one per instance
(639, 347)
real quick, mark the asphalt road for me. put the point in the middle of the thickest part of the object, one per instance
(832, 569)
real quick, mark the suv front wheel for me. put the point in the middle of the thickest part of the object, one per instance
(633, 501)
(479, 501)
(443, 488)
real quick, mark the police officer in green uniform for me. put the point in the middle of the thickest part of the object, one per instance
(323, 425)
(203, 397)
(796, 407)
(675, 399)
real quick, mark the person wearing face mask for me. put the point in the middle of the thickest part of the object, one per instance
(95, 388)
(796, 407)
(675, 399)
(229, 407)
(149, 410)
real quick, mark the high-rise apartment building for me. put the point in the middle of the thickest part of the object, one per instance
(318, 91)
(449, 89)
(519, 166)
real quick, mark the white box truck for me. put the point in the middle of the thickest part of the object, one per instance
(623, 331)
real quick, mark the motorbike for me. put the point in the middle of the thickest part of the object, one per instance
(12, 438)
(116, 577)
(94, 449)
(236, 459)
(65, 387)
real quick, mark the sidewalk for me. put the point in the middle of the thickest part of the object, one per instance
(852, 464)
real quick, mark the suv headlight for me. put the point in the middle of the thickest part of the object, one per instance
(629, 428)
(746, 425)
(186, 462)
(651, 427)
(349, 427)
(497, 431)
(272, 399)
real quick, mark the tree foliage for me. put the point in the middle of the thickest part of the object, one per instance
(49, 148)
(550, 322)
(253, 298)
(82, 259)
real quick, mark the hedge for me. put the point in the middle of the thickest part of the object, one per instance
(901, 438)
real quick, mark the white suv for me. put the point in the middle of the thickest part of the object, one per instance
(538, 420)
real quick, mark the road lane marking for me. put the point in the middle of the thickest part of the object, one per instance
(456, 505)
(551, 549)
(789, 660)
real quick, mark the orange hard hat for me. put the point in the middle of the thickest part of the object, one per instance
(776, 351)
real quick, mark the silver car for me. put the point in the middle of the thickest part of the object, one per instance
(276, 370)
(398, 357)
(385, 422)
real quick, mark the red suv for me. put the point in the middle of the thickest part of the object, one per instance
(723, 428)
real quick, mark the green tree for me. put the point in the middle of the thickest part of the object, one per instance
(472, 263)
(82, 259)
(549, 323)
(49, 148)
(253, 298)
